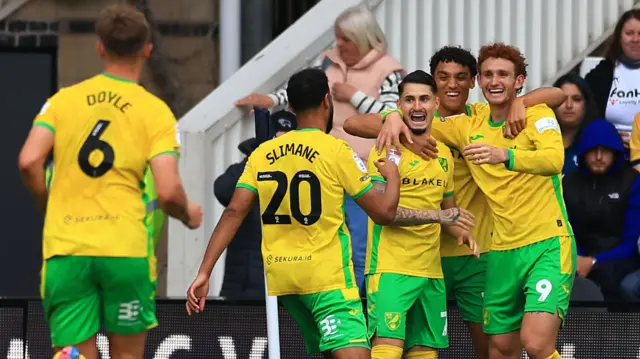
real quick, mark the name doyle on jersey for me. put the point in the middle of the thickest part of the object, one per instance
(108, 97)
(292, 149)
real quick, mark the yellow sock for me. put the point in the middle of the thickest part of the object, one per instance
(555, 355)
(386, 352)
(422, 355)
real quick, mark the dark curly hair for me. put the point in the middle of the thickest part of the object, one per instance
(454, 54)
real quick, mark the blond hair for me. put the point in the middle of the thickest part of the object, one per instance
(360, 26)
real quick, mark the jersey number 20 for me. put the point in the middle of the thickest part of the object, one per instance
(94, 143)
(270, 217)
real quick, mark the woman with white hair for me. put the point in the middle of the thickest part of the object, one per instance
(363, 79)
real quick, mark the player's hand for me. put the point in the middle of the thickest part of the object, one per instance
(459, 217)
(467, 238)
(425, 147)
(390, 133)
(255, 100)
(584, 266)
(197, 294)
(342, 92)
(195, 215)
(516, 120)
(386, 168)
(482, 153)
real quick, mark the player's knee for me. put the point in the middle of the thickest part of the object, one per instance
(538, 347)
(503, 346)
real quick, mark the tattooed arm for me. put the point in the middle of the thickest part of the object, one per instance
(414, 217)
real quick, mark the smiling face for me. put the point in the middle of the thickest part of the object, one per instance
(454, 82)
(498, 81)
(418, 104)
(630, 39)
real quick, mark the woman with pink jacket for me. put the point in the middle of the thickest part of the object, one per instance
(363, 79)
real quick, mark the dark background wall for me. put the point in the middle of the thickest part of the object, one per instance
(28, 78)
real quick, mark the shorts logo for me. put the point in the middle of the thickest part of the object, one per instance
(129, 311)
(329, 325)
(354, 312)
(392, 320)
(485, 316)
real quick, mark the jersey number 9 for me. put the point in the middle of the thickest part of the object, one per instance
(94, 143)
(270, 217)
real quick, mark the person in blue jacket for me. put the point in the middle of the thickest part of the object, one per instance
(603, 204)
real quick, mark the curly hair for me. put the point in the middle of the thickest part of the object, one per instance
(501, 51)
(455, 54)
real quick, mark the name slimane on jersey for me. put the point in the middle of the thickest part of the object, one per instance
(305, 151)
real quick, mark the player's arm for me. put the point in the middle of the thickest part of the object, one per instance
(163, 159)
(35, 151)
(370, 126)
(634, 143)
(31, 163)
(546, 159)
(406, 217)
(458, 231)
(516, 121)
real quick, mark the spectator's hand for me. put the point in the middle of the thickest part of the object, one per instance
(459, 217)
(195, 215)
(516, 120)
(425, 147)
(626, 137)
(467, 238)
(342, 92)
(255, 100)
(386, 168)
(585, 264)
(482, 153)
(197, 294)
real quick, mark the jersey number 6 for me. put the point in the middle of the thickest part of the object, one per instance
(94, 143)
(270, 217)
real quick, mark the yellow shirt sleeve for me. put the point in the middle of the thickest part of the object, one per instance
(163, 133)
(547, 158)
(249, 178)
(351, 171)
(47, 116)
(635, 141)
(372, 169)
(448, 130)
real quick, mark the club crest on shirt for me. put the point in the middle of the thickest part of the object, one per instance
(443, 163)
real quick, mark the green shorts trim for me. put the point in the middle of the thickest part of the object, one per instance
(534, 278)
(82, 294)
(329, 320)
(413, 309)
(464, 277)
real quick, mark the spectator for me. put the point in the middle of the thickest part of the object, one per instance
(363, 79)
(576, 111)
(244, 271)
(615, 81)
(631, 284)
(635, 143)
(603, 203)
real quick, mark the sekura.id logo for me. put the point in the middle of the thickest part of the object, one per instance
(288, 259)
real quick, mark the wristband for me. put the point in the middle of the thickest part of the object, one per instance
(385, 113)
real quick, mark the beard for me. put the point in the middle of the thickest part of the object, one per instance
(330, 120)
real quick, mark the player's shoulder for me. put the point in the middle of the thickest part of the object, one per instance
(541, 118)
(539, 111)
(443, 150)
